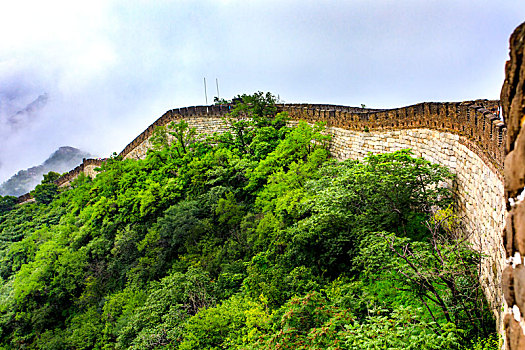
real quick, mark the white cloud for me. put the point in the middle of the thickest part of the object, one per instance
(112, 67)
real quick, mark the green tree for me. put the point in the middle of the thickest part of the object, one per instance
(47, 190)
(254, 238)
(7, 203)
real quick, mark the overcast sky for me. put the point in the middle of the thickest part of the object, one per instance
(105, 70)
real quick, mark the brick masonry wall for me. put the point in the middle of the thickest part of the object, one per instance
(478, 188)
(206, 119)
(468, 137)
(87, 167)
(513, 104)
(202, 124)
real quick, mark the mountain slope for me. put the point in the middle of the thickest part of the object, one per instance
(62, 160)
(251, 239)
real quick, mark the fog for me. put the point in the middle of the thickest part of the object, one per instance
(93, 75)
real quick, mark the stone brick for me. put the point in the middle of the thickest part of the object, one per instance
(513, 105)
(515, 340)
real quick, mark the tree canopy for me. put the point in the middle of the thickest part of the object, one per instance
(250, 239)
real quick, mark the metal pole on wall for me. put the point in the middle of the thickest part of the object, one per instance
(205, 92)
(217, 83)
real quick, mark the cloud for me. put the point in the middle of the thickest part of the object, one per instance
(110, 68)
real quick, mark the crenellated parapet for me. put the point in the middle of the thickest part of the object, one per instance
(476, 121)
(467, 137)
(184, 113)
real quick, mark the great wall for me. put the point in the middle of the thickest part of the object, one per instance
(467, 137)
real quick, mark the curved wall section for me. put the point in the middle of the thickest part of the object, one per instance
(475, 121)
(478, 188)
(467, 137)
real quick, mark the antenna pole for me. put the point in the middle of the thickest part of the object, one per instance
(205, 92)
(217, 83)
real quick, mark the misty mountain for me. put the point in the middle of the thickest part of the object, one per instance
(16, 117)
(62, 160)
(27, 113)
(31, 108)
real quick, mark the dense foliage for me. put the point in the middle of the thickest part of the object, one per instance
(251, 239)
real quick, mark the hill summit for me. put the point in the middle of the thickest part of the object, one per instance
(63, 159)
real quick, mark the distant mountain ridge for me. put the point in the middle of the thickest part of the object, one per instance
(39, 103)
(63, 159)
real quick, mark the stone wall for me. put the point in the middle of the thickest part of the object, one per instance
(138, 148)
(513, 104)
(87, 167)
(478, 188)
(476, 121)
(206, 119)
(468, 137)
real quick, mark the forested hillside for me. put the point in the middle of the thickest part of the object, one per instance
(252, 239)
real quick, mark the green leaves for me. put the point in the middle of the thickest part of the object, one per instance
(7, 203)
(45, 193)
(404, 328)
(250, 239)
(233, 324)
(259, 106)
